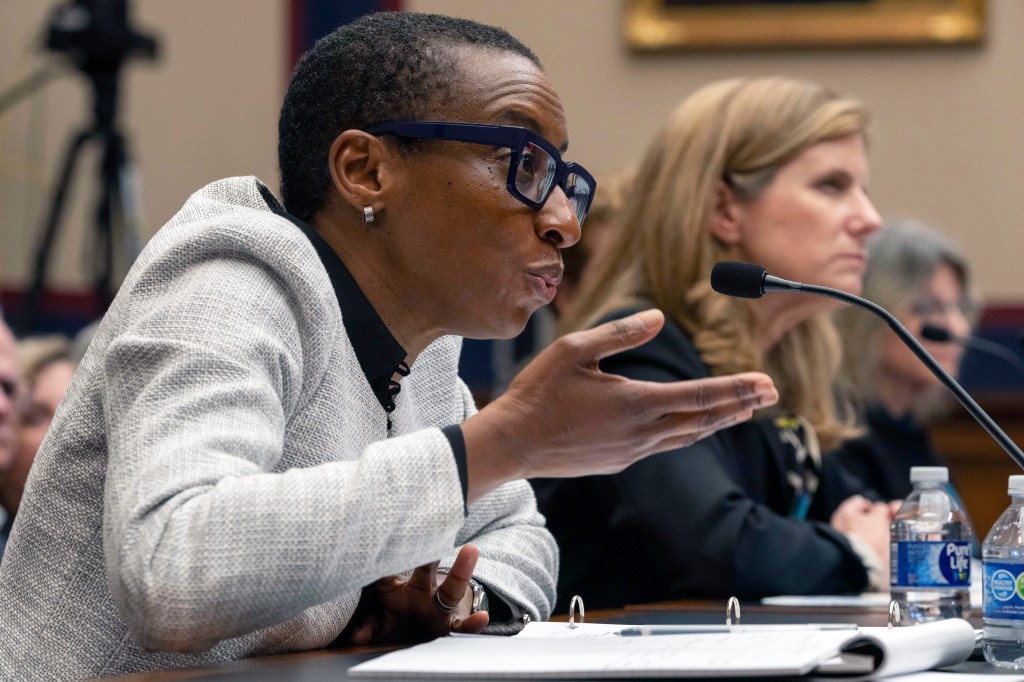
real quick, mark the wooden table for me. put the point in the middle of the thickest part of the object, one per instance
(334, 664)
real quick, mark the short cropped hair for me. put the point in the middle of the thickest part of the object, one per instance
(382, 67)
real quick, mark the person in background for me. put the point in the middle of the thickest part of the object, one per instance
(47, 367)
(773, 171)
(919, 276)
(509, 356)
(10, 392)
(267, 447)
(602, 221)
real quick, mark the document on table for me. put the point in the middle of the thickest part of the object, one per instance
(867, 598)
(827, 600)
(938, 676)
(553, 650)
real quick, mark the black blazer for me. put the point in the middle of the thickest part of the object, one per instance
(708, 520)
(884, 456)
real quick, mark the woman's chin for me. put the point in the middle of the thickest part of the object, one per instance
(507, 326)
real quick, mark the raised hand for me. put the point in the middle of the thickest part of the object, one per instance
(562, 416)
(419, 608)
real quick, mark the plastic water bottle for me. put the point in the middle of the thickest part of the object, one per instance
(930, 551)
(1003, 558)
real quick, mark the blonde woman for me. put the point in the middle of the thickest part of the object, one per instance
(923, 279)
(772, 171)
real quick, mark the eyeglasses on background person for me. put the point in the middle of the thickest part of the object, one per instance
(534, 169)
(931, 308)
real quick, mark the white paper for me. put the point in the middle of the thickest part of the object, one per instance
(936, 676)
(703, 655)
(865, 599)
(592, 650)
(921, 647)
(549, 629)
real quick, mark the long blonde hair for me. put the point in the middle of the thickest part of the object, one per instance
(738, 131)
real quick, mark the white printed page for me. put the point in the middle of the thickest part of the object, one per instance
(917, 648)
(549, 629)
(868, 598)
(697, 655)
(865, 599)
(936, 676)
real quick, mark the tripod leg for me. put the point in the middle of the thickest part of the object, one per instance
(30, 309)
(106, 210)
(130, 201)
(117, 215)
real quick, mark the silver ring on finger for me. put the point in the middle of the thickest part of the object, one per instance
(441, 605)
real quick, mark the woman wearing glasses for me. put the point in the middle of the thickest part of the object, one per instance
(268, 434)
(766, 170)
(923, 279)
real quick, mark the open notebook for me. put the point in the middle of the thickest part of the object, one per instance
(553, 650)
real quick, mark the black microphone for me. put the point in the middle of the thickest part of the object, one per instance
(943, 335)
(746, 280)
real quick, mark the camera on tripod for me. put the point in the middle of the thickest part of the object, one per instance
(96, 34)
(98, 38)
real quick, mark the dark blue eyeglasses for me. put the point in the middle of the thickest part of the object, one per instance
(534, 169)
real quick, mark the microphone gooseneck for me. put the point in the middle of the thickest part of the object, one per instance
(938, 334)
(752, 281)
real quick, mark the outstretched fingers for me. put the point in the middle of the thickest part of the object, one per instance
(681, 413)
(616, 336)
(677, 431)
(668, 416)
(711, 401)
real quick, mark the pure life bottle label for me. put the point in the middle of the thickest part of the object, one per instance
(932, 564)
(1004, 590)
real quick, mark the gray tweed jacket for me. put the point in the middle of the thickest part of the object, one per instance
(219, 481)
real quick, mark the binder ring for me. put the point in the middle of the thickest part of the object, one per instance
(577, 599)
(895, 617)
(732, 611)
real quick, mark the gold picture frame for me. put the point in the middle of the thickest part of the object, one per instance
(651, 25)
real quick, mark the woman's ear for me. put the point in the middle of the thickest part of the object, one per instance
(357, 163)
(726, 219)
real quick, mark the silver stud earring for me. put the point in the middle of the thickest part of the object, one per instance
(368, 216)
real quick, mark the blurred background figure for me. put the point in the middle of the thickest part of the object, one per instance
(10, 387)
(47, 366)
(602, 221)
(509, 356)
(919, 276)
(769, 170)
